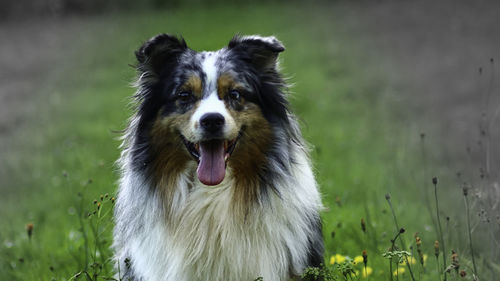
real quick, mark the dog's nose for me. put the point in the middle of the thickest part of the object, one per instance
(212, 122)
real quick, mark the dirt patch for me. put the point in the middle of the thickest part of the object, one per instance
(29, 54)
(33, 54)
(430, 53)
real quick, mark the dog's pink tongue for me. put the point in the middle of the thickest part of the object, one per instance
(212, 166)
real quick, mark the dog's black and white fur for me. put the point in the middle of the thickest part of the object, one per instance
(215, 183)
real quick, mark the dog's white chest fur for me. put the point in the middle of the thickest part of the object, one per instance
(206, 240)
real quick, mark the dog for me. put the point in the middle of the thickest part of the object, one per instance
(216, 182)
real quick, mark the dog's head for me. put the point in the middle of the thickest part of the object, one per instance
(217, 109)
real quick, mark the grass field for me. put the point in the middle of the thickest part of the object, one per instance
(65, 160)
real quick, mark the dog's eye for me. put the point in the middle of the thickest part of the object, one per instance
(185, 96)
(234, 95)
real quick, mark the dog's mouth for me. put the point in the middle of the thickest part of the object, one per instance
(211, 156)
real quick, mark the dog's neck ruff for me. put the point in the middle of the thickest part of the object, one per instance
(206, 239)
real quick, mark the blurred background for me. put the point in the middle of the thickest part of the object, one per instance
(389, 93)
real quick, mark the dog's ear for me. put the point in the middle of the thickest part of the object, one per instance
(262, 52)
(158, 52)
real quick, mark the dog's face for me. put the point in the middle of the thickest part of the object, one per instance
(214, 108)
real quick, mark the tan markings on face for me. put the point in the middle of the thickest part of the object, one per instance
(194, 85)
(249, 155)
(170, 157)
(226, 83)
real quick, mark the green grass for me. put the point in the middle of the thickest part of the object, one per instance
(66, 159)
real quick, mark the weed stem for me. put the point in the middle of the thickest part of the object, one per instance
(434, 181)
(403, 246)
(470, 232)
(437, 266)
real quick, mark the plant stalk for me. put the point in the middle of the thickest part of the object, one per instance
(440, 229)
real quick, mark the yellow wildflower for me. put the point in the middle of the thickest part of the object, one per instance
(410, 260)
(399, 271)
(339, 258)
(368, 271)
(358, 259)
